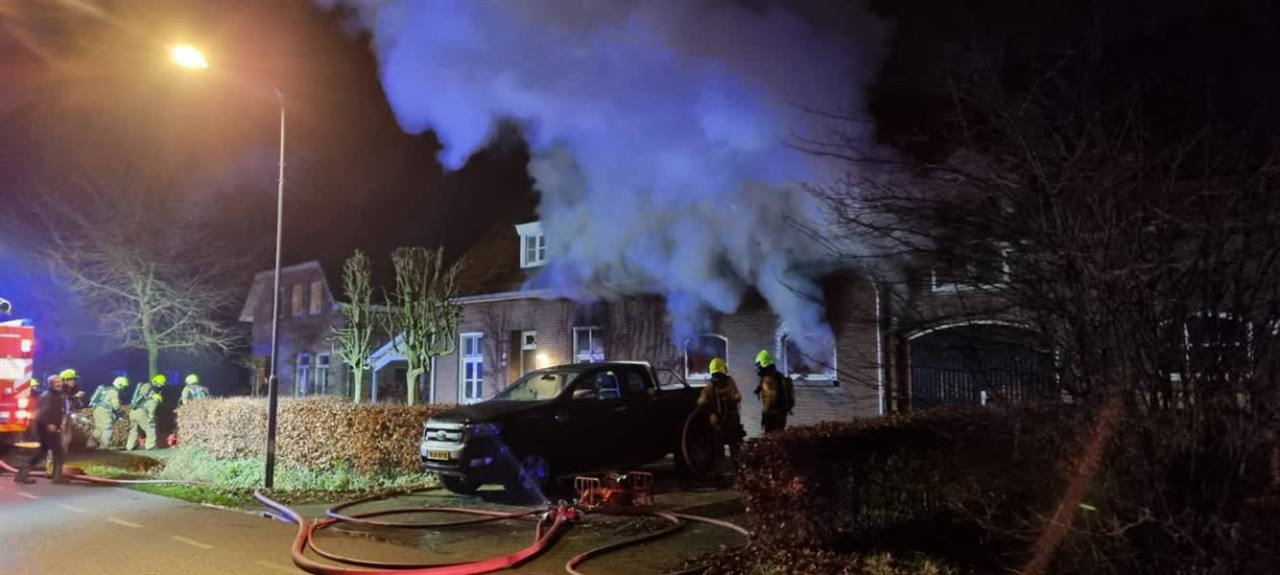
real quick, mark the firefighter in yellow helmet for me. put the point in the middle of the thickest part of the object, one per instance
(142, 417)
(776, 393)
(106, 409)
(722, 399)
(192, 390)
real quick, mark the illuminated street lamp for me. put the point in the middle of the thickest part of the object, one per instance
(190, 57)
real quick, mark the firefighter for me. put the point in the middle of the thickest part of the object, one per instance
(106, 409)
(193, 390)
(721, 398)
(72, 400)
(776, 393)
(50, 409)
(142, 417)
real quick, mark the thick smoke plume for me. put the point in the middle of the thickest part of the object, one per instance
(659, 132)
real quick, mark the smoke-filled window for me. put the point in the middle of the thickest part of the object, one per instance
(807, 359)
(588, 344)
(699, 352)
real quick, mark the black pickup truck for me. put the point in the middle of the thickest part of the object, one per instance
(559, 421)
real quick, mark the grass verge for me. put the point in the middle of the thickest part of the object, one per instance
(231, 482)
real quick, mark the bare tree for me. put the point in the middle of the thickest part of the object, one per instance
(352, 341)
(1146, 262)
(643, 335)
(423, 319)
(154, 275)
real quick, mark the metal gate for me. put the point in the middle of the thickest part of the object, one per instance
(980, 365)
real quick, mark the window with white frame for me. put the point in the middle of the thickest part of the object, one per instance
(588, 345)
(322, 373)
(533, 245)
(699, 352)
(810, 358)
(971, 267)
(317, 297)
(302, 375)
(471, 368)
(295, 300)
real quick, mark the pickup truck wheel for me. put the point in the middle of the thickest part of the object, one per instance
(460, 485)
(530, 476)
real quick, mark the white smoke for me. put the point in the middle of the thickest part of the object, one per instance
(659, 132)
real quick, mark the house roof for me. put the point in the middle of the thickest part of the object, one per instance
(492, 265)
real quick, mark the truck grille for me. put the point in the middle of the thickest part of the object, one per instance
(442, 434)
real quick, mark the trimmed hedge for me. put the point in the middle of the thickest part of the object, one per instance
(975, 486)
(83, 430)
(312, 433)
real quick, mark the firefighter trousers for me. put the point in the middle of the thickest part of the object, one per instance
(140, 420)
(102, 420)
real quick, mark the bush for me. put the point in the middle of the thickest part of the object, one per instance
(83, 430)
(312, 433)
(976, 486)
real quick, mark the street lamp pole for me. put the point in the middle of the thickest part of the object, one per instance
(190, 57)
(273, 387)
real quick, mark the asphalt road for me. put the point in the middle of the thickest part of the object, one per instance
(48, 529)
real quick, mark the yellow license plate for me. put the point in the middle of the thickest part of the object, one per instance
(438, 455)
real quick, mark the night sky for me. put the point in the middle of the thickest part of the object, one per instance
(86, 88)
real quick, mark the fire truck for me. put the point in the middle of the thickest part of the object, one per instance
(17, 346)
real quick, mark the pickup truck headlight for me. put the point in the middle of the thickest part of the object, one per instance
(483, 429)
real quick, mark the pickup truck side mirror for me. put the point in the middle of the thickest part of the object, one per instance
(584, 394)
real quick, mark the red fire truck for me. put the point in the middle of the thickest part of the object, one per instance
(17, 346)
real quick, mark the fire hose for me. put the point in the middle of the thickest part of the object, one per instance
(560, 517)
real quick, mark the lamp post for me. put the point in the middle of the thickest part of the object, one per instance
(190, 57)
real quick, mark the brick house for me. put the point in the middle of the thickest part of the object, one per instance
(308, 314)
(506, 331)
(890, 352)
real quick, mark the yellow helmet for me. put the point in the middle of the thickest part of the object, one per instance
(120, 382)
(718, 365)
(192, 379)
(159, 379)
(764, 358)
(68, 374)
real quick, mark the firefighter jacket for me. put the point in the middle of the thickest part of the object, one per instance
(106, 397)
(721, 395)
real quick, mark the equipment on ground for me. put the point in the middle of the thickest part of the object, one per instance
(615, 491)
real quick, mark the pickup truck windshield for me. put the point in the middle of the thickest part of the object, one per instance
(538, 385)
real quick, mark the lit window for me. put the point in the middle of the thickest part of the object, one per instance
(699, 352)
(317, 295)
(472, 368)
(588, 345)
(295, 301)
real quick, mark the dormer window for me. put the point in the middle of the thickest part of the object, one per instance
(533, 245)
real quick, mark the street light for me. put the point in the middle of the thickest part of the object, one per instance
(190, 57)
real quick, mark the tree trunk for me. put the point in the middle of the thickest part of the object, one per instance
(412, 382)
(153, 361)
(357, 374)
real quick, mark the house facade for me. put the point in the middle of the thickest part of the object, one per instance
(308, 315)
(931, 342)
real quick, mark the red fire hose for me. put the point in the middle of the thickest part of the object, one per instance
(561, 517)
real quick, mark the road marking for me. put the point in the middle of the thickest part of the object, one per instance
(70, 508)
(123, 522)
(28, 495)
(191, 542)
(276, 566)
